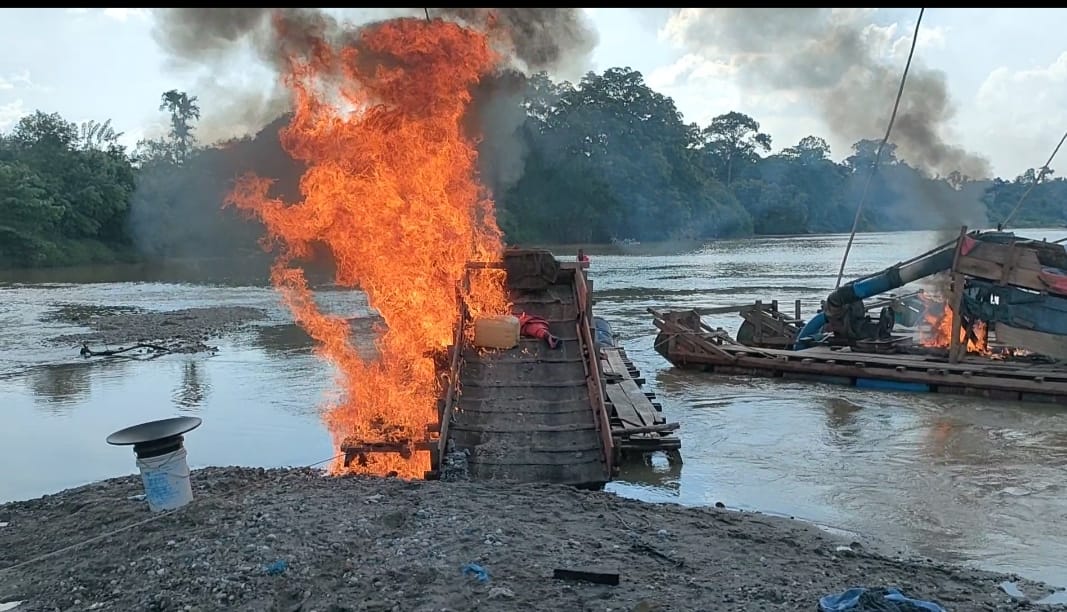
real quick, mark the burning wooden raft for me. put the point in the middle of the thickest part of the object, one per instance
(530, 412)
(1002, 287)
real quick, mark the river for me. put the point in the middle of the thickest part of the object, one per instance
(957, 479)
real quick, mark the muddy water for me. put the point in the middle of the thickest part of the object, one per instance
(957, 479)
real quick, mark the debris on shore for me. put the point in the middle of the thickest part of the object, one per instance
(295, 540)
(118, 328)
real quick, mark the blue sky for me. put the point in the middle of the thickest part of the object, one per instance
(1006, 72)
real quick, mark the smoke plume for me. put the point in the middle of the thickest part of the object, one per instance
(240, 54)
(832, 58)
(533, 40)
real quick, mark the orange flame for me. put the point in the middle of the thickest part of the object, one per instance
(390, 191)
(938, 316)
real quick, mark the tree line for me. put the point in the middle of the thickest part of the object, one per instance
(606, 158)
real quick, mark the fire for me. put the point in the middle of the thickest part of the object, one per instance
(938, 316)
(390, 192)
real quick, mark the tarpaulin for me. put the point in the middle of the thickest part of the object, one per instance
(875, 600)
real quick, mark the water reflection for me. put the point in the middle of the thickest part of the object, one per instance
(842, 422)
(194, 387)
(61, 386)
(655, 471)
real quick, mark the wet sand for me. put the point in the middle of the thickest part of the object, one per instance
(177, 331)
(346, 544)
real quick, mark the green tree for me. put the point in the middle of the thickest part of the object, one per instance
(28, 216)
(183, 110)
(733, 140)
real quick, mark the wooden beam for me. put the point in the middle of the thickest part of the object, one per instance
(957, 300)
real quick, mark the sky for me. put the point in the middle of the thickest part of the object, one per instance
(1005, 72)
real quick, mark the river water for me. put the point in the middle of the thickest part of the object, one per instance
(952, 478)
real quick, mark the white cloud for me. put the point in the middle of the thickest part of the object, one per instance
(10, 113)
(893, 42)
(689, 67)
(125, 14)
(1023, 110)
(19, 80)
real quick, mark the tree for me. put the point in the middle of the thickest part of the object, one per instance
(183, 110)
(28, 216)
(44, 130)
(864, 153)
(734, 139)
(98, 136)
(809, 150)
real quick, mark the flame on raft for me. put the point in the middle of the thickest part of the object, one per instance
(937, 314)
(391, 193)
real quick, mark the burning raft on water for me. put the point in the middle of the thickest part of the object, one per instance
(525, 410)
(1006, 302)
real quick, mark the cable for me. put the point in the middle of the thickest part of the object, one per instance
(1040, 175)
(154, 517)
(881, 146)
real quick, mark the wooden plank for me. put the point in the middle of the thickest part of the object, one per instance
(956, 299)
(661, 428)
(616, 362)
(994, 271)
(624, 408)
(1046, 344)
(1024, 370)
(598, 576)
(649, 445)
(935, 376)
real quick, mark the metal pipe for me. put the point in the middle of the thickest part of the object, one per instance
(811, 328)
(886, 280)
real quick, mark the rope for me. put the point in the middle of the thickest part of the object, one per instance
(881, 146)
(150, 519)
(1040, 175)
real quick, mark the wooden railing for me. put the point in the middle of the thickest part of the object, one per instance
(592, 367)
(445, 415)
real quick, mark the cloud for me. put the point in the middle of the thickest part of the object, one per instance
(690, 66)
(122, 15)
(125, 14)
(20, 80)
(1029, 108)
(10, 113)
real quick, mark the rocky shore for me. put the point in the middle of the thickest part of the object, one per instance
(177, 331)
(295, 540)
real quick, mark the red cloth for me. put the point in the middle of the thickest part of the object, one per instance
(1055, 278)
(535, 327)
(968, 245)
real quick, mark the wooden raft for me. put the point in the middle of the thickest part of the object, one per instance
(532, 413)
(710, 350)
(637, 425)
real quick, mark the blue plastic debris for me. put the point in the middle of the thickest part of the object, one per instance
(477, 571)
(860, 599)
(276, 568)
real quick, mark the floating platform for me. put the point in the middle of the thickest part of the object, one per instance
(687, 343)
(637, 423)
(532, 413)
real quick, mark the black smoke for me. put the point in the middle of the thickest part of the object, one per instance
(178, 212)
(828, 57)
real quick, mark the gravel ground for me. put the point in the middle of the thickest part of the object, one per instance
(347, 544)
(184, 331)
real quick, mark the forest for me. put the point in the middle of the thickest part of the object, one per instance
(606, 158)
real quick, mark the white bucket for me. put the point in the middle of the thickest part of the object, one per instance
(166, 481)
